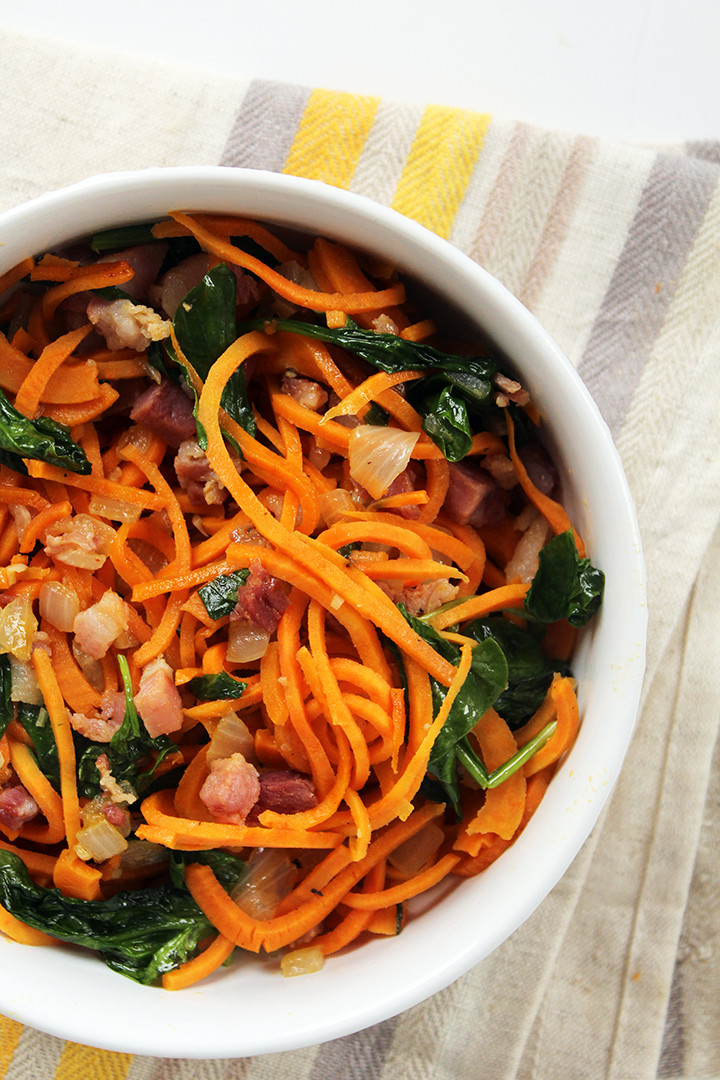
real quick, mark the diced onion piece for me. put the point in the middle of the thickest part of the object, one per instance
(271, 875)
(25, 687)
(377, 456)
(114, 509)
(413, 854)
(99, 841)
(245, 642)
(298, 274)
(143, 853)
(231, 736)
(17, 628)
(138, 435)
(22, 517)
(302, 961)
(59, 605)
(91, 669)
(523, 564)
(335, 505)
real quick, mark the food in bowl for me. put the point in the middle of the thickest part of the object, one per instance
(289, 600)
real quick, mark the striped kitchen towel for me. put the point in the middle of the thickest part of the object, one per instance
(616, 248)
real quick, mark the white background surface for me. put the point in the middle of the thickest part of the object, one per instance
(645, 70)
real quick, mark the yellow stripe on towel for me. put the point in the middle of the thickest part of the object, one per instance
(440, 165)
(85, 1063)
(330, 137)
(9, 1035)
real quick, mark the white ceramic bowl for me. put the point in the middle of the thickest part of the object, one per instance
(251, 1009)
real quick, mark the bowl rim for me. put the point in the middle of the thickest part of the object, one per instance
(166, 1028)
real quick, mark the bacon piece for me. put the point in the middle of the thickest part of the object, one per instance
(101, 624)
(539, 467)
(145, 260)
(126, 325)
(118, 793)
(509, 390)
(177, 282)
(195, 476)
(118, 816)
(17, 807)
(309, 393)
(157, 701)
(408, 480)
(231, 790)
(473, 498)
(285, 792)
(102, 727)
(420, 599)
(261, 600)
(167, 411)
(82, 541)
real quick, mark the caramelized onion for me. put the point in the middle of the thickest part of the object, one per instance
(17, 628)
(99, 841)
(377, 456)
(59, 605)
(271, 875)
(302, 961)
(246, 642)
(335, 505)
(231, 736)
(25, 686)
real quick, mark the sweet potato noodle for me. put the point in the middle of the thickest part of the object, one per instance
(288, 600)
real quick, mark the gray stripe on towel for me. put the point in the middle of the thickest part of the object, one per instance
(265, 126)
(670, 211)
(355, 1057)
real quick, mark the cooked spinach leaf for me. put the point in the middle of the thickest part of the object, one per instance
(130, 749)
(486, 679)
(469, 760)
(388, 352)
(36, 721)
(565, 586)
(41, 439)
(140, 934)
(227, 868)
(530, 672)
(205, 326)
(459, 385)
(221, 594)
(445, 417)
(6, 705)
(123, 237)
(220, 687)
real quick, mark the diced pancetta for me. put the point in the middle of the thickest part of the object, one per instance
(285, 792)
(167, 411)
(101, 727)
(126, 325)
(539, 467)
(420, 599)
(17, 807)
(97, 627)
(473, 497)
(145, 260)
(231, 789)
(306, 391)
(82, 541)
(261, 600)
(177, 282)
(157, 700)
(196, 478)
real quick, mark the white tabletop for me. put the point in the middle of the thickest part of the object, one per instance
(644, 70)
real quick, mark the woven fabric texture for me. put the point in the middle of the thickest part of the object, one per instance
(615, 247)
